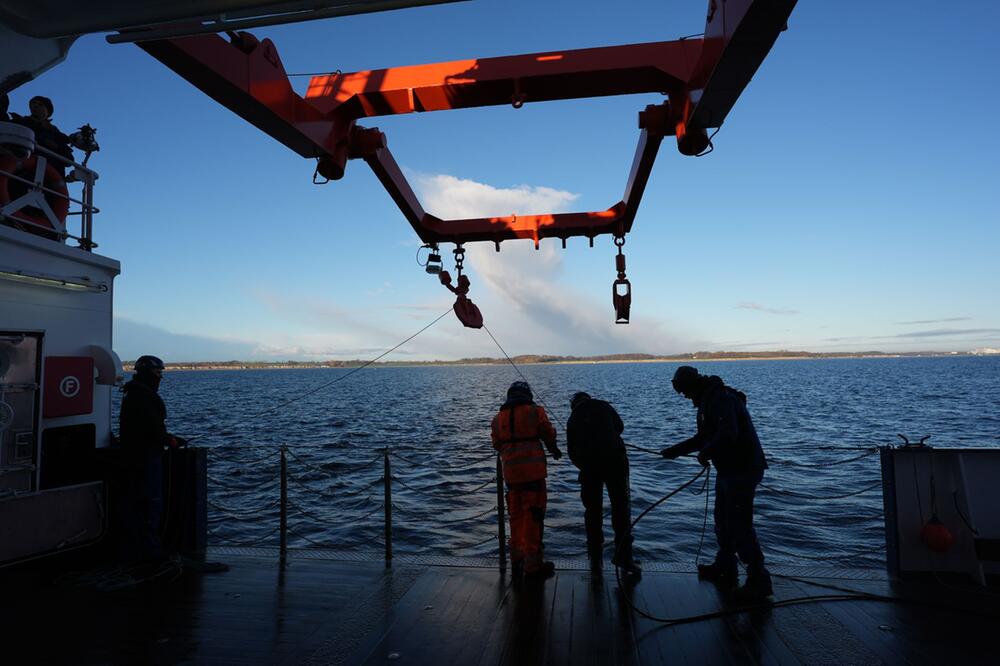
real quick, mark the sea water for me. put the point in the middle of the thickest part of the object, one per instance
(436, 422)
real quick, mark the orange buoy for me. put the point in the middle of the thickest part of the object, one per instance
(936, 535)
(57, 196)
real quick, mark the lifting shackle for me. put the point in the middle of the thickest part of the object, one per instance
(621, 289)
(464, 308)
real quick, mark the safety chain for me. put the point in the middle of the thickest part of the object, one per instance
(256, 542)
(459, 253)
(305, 538)
(444, 495)
(309, 514)
(217, 483)
(347, 468)
(328, 493)
(492, 537)
(409, 512)
(236, 512)
(272, 455)
(416, 463)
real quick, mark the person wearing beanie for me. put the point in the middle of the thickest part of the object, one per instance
(727, 439)
(595, 446)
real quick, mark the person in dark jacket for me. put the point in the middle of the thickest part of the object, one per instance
(726, 437)
(594, 442)
(47, 135)
(144, 437)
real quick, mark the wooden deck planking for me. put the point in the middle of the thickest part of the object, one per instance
(924, 635)
(331, 612)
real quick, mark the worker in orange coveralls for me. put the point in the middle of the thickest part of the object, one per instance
(518, 431)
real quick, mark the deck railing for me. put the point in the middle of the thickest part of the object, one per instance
(288, 507)
(39, 196)
(472, 478)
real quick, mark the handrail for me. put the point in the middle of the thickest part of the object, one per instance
(85, 208)
(361, 496)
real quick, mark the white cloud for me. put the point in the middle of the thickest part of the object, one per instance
(526, 303)
(456, 198)
(763, 308)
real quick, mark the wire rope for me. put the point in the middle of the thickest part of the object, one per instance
(877, 484)
(341, 377)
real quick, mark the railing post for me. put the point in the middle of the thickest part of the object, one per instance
(387, 483)
(501, 524)
(283, 526)
(88, 212)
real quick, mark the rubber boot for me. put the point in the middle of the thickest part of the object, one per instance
(628, 565)
(723, 575)
(756, 588)
(595, 553)
(546, 570)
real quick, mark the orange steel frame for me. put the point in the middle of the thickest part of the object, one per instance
(702, 78)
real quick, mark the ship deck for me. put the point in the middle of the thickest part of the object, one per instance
(340, 609)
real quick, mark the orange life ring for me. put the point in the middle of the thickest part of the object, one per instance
(53, 180)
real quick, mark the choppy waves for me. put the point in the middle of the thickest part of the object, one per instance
(435, 420)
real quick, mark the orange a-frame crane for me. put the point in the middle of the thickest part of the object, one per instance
(702, 78)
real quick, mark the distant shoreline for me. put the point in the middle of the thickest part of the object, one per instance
(707, 357)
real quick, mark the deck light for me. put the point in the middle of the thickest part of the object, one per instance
(433, 265)
(80, 283)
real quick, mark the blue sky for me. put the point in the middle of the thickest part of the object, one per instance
(851, 202)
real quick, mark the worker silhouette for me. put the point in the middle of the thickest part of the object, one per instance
(47, 135)
(726, 437)
(518, 432)
(144, 438)
(595, 446)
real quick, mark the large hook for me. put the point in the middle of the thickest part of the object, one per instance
(465, 309)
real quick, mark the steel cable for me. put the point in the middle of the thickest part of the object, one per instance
(341, 377)
(793, 463)
(873, 486)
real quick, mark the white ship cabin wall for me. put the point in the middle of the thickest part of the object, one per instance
(56, 355)
(57, 367)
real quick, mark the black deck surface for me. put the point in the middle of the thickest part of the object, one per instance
(340, 612)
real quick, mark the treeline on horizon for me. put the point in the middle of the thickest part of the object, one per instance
(547, 358)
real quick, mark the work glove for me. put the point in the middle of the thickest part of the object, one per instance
(704, 459)
(670, 453)
(557, 454)
(177, 442)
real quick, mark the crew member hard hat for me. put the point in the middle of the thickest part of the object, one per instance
(685, 378)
